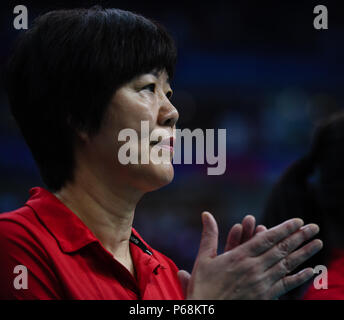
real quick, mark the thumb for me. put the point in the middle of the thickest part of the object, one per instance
(209, 240)
(184, 278)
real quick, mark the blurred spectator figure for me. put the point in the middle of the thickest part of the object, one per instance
(312, 188)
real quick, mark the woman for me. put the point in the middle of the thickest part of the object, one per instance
(312, 188)
(75, 81)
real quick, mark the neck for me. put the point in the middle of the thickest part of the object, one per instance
(107, 211)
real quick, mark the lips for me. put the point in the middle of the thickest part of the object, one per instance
(165, 143)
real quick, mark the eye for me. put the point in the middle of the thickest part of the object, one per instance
(150, 87)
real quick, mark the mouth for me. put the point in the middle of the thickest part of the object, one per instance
(166, 143)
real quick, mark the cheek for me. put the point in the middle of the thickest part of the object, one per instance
(129, 107)
(130, 114)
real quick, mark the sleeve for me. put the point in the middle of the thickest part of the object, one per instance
(25, 273)
(335, 288)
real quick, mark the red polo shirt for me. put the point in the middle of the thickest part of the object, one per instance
(335, 278)
(64, 259)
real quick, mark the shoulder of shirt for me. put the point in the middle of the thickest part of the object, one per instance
(24, 223)
(21, 222)
(21, 215)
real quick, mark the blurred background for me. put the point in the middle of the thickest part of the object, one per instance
(258, 69)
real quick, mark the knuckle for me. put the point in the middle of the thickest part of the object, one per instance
(283, 248)
(302, 256)
(309, 251)
(285, 285)
(286, 266)
(268, 240)
(304, 234)
(290, 226)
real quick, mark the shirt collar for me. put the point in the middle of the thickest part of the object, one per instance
(65, 226)
(68, 230)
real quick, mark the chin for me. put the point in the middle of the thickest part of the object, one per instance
(159, 176)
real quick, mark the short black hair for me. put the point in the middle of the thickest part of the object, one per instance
(64, 70)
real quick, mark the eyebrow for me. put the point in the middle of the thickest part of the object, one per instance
(156, 75)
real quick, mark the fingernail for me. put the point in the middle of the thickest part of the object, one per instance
(320, 243)
(299, 221)
(206, 215)
(203, 216)
(311, 229)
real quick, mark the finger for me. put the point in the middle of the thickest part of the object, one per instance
(260, 228)
(290, 282)
(209, 240)
(184, 278)
(282, 249)
(248, 226)
(287, 265)
(267, 239)
(234, 237)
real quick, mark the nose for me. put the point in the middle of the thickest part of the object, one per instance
(168, 114)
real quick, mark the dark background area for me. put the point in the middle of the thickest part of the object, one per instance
(258, 69)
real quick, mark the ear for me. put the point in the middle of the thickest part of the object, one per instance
(83, 136)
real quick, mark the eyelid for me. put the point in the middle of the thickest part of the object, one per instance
(149, 86)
